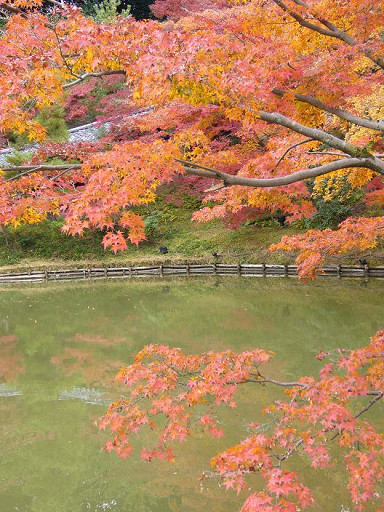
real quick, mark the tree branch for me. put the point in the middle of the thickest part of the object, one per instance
(333, 30)
(290, 149)
(313, 133)
(378, 397)
(11, 9)
(302, 21)
(343, 114)
(360, 413)
(264, 380)
(369, 405)
(30, 169)
(54, 2)
(99, 74)
(229, 179)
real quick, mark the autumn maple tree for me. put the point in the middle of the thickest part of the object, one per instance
(175, 394)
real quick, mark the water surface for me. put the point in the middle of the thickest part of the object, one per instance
(60, 346)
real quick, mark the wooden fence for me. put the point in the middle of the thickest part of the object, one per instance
(244, 269)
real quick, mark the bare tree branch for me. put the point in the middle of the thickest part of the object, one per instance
(12, 9)
(369, 405)
(329, 153)
(357, 415)
(264, 380)
(54, 2)
(302, 21)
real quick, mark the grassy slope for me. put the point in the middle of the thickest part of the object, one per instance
(45, 246)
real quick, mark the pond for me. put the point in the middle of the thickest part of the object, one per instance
(61, 345)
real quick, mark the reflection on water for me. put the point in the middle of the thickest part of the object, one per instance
(6, 391)
(60, 347)
(89, 396)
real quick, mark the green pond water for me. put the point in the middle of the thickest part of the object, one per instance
(61, 345)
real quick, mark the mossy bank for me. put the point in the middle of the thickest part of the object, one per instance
(44, 246)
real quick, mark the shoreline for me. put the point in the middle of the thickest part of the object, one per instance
(184, 270)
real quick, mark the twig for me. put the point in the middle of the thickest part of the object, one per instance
(365, 409)
(276, 382)
(100, 74)
(61, 174)
(368, 406)
(31, 169)
(290, 149)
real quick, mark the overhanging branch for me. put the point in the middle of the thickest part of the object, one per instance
(322, 170)
(229, 179)
(312, 133)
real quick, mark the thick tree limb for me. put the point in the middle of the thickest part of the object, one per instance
(303, 22)
(15, 10)
(322, 170)
(312, 133)
(330, 140)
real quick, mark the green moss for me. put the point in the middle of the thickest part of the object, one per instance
(19, 158)
(52, 118)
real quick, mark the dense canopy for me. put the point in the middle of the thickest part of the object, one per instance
(255, 96)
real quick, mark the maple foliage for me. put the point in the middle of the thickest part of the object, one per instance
(257, 95)
(176, 394)
(358, 234)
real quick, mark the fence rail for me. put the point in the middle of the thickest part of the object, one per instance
(244, 269)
